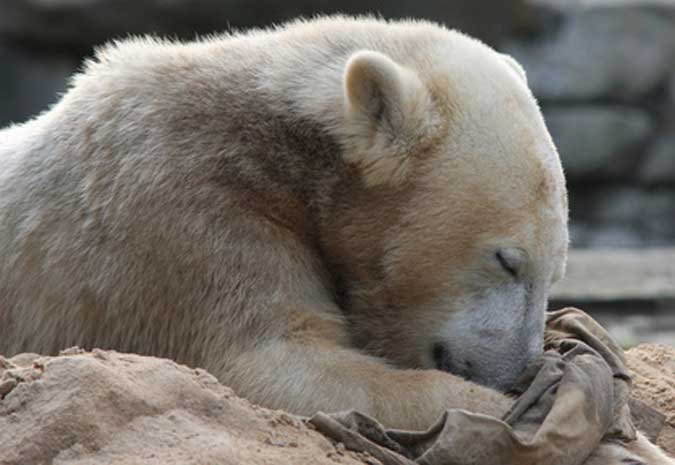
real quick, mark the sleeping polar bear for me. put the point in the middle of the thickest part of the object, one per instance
(334, 214)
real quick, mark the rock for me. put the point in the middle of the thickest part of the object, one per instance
(612, 50)
(592, 234)
(611, 215)
(659, 164)
(596, 140)
(571, 5)
(659, 215)
(29, 82)
(104, 407)
(605, 236)
(611, 204)
(579, 233)
(623, 216)
(620, 205)
(78, 24)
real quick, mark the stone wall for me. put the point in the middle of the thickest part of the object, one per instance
(604, 75)
(603, 72)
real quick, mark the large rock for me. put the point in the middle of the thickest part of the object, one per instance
(612, 205)
(597, 140)
(616, 204)
(599, 235)
(623, 216)
(659, 217)
(109, 408)
(659, 164)
(619, 50)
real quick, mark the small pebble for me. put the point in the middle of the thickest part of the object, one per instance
(6, 386)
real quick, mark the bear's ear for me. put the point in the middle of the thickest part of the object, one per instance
(387, 106)
(379, 88)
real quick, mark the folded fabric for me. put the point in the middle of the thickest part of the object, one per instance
(572, 397)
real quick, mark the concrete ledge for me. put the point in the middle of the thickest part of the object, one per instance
(612, 275)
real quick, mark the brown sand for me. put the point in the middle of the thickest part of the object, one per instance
(653, 369)
(108, 408)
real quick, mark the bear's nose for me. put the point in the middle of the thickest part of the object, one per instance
(444, 362)
(438, 353)
(513, 260)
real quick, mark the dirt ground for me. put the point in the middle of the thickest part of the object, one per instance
(653, 370)
(108, 408)
(105, 408)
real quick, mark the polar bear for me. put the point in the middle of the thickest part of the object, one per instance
(340, 213)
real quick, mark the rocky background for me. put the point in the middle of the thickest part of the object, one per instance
(604, 73)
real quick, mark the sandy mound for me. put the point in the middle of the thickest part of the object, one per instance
(653, 369)
(109, 408)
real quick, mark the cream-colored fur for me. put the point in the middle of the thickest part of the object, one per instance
(321, 215)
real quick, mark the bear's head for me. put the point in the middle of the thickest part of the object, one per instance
(447, 243)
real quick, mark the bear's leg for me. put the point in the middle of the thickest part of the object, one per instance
(304, 377)
(312, 369)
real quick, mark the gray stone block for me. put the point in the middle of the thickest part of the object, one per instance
(619, 216)
(658, 166)
(597, 140)
(612, 51)
(615, 236)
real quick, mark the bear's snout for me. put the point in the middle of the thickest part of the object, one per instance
(445, 362)
(496, 372)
